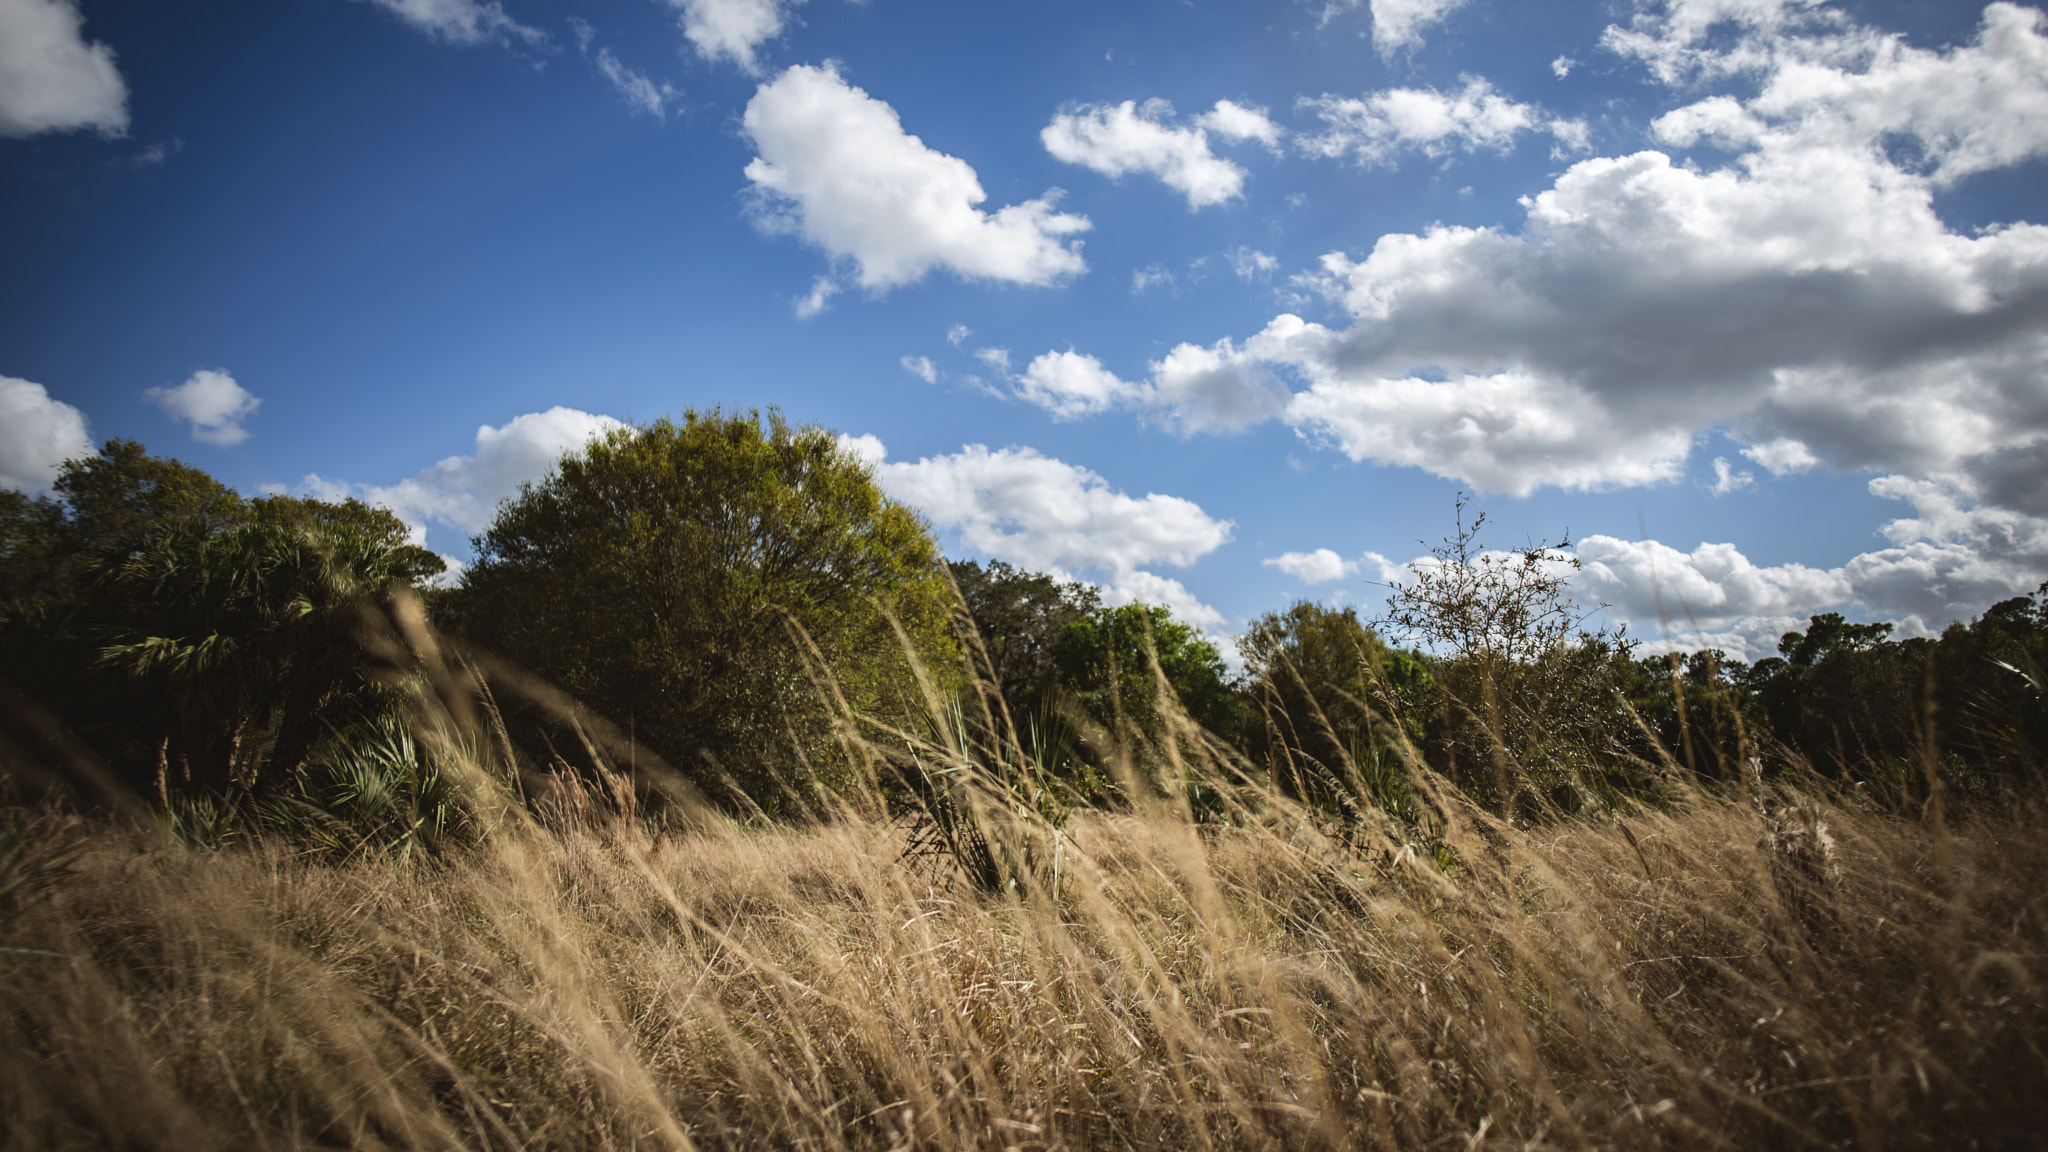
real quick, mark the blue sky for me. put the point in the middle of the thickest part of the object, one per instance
(1214, 304)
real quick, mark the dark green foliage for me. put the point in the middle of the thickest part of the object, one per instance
(1019, 617)
(1324, 686)
(685, 579)
(1690, 712)
(199, 642)
(1111, 663)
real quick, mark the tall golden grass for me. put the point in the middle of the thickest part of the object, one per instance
(1759, 969)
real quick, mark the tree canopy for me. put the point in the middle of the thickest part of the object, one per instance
(678, 576)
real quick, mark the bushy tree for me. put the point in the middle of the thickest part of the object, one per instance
(1106, 662)
(1018, 617)
(1325, 689)
(673, 576)
(1529, 693)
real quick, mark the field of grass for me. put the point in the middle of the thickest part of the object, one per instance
(1738, 971)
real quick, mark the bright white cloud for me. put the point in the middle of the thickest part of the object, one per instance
(465, 22)
(922, 368)
(462, 492)
(1383, 124)
(958, 334)
(1318, 567)
(1398, 24)
(1070, 384)
(1115, 139)
(212, 403)
(1238, 122)
(1953, 557)
(1016, 505)
(1782, 456)
(835, 166)
(1806, 296)
(37, 433)
(51, 79)
(733, 29)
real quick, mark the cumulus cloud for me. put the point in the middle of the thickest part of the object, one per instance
(462, 492)
(1378, 127)
(733, 29)
(835, 167)
(1398, 24)
(1016, 505)
(922, 368)
(1070, 384)
(1221, 387)
(51, 79)
(212, 403)
(37, 433)
(1115, 139)
(464, 22)
(1806, 296)
(1318, 567)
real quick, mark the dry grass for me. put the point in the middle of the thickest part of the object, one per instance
(605, 986)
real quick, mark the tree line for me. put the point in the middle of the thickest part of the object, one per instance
(736, 595)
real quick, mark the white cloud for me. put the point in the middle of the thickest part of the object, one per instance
(1504, 432)
(1070, 384)
(1222, 387)
(1562, 66)
(958, 334)
(823, 289)
(465, 22)
(922, 368)
(462, 492)
(51, 79)
(835, 166)
(640, 93)
(37, 433)
(1238, 122)
(1383, 124)
(1116, 139)
(1954, 557)
(1398, 24)
(996, 358)
(733, 29)
(212, 403)
(1016, 505)
(1806, 296)
(1318, 567)
(1215, 389)
(1252, 264)
(1782, 456)
(1727, 479)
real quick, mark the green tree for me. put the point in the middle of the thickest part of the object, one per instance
(1106, 661)
(197, 640)
(1325, 689)
(662, 575)
(1530, 707)
(1018, 616)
